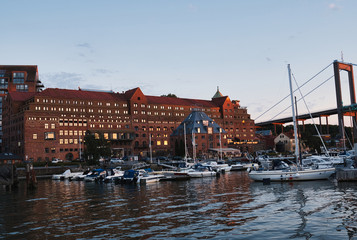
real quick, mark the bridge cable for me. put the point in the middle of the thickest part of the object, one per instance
(303, 96)
(294, 91)
(317, 130)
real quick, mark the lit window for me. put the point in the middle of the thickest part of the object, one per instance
(158, 143)
(115, 136)
(34, 136)
(49, 135)
(166, 143)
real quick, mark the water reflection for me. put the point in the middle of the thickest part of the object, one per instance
(227, 207)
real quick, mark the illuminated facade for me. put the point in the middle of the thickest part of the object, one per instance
(17, 78)
(52, 123)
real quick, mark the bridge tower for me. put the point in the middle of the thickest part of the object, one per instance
(346, 67)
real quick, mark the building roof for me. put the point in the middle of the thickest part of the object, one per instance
(21, 96)
(197, 122)
(180, 101)
(9, 156)
(113, 96)
(30, 69)
(264, 132)
(218, 94)
(81, 94)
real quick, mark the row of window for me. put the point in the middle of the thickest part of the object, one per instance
(79, 102)
(115, 104)
(53, 150)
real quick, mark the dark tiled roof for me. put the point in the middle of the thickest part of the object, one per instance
(81, 94)
(195, 120)
(21, 96)
(9, 156)
(129, 94)
(180, 101)
(219, 101)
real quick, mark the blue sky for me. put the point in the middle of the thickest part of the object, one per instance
(184, 47)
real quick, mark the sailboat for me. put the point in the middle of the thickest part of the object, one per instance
(292, 174)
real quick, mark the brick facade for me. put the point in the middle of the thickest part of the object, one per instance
(51, 124)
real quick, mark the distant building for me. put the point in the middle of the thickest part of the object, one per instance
(17, 78)
(285, 142)
(52, 123)
(9, 158)
(203, 136)
(266, 140)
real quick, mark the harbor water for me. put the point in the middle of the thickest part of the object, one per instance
(227, 207)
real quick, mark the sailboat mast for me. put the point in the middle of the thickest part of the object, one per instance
(150, 147)
(184, 134)
(220, 143)
(294, 117)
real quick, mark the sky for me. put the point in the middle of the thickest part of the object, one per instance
(188, 48)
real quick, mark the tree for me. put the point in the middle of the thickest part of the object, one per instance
(169, 95)
(95, 148)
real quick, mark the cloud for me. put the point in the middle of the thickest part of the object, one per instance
(192, 7)
(62, 80)
(84, 49)
(84, 45)
(333, 6)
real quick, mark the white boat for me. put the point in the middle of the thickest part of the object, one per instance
(291, 175)
(218, 166)
(66, 175)
(151, 178)
(201, 171)
(95, 175)
(113, 174)
(296, 173)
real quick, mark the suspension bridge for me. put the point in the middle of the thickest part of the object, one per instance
(340, 110)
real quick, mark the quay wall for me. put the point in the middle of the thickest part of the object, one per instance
(345, 175)
(46, 172)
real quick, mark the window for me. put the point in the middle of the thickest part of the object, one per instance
(158, 143)
(49, 136)
(34, 136)
(53, 126)
(115, 136)
(22, 88)
(18, 77)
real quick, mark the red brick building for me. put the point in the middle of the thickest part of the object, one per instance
(17, 78)
(52, 123)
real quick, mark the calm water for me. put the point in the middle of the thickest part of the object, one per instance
(228, 207)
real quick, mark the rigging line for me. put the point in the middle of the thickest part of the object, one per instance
(294, 91)
(346, 136)
(303, 96)
(318, 132)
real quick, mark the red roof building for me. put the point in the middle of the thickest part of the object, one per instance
(19, 79)
(52, 123)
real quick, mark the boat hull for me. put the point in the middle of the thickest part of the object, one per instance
(201, 174)
(281, 176)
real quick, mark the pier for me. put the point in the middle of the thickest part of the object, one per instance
(346, 175)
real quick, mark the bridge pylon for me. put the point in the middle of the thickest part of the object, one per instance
(338, 66)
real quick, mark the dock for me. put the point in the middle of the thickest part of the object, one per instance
(346, 175)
